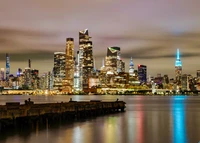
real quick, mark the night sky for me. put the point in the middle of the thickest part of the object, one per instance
(150, 31)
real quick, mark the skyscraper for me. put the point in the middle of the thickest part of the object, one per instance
(7, 66)
(29, 63)
(113, 59)
(178, 68)
(68, 82)
(85, 58)
(59, 69)
(77, 78)
(142, 73)
(131, 67)
(27, 78)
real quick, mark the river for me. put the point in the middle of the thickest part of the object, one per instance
(148, 119)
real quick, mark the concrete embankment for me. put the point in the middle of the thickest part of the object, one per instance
(15, 114)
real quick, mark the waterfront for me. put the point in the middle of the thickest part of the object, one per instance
(151, 119)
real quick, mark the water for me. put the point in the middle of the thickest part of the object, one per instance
(148, 119)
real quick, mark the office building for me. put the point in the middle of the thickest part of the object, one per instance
(59, 69)
(112, 62)
(27, 78)
(77, 73)
(142, 73)
(68, 82)
(7, 67)
(34, 79)
(85, 58)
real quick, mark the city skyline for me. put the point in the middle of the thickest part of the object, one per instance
(149, 32)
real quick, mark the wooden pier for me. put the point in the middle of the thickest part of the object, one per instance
(14, 113)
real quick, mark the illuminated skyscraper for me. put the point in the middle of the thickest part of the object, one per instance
(77, 79)
(7, 66)
(142, 73)
(59, 69)
(113, 59)
(85, 58)
(178, 68)
(68, 82)
(27, 78)
(131, 67)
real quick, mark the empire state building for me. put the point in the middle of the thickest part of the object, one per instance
(178, 68)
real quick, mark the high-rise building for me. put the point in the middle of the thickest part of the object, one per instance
(185, 82)
(59, 69)
(113, 59)
(45, 81)
(29, 63)
(77, 78)
(131, 67)
(27, 78)
(34, 79)
(85, 58)
(142, 73)
(68, 82)
(7, 67)
(178, 68)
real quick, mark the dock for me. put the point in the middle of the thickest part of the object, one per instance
(16, 114)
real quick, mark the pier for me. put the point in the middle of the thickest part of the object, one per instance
(15, 114)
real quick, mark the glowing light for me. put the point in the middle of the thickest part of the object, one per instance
(178, 113)
(178, 62)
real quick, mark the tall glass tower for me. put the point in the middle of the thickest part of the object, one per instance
(131, 67)
(68, 82)
(7, 66)
(178, 68)
(59, 69)
(85, 58)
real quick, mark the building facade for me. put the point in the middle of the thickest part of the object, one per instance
(142, 73)
(59, 69)
(7, 67)
(85, 58)
(68, 82)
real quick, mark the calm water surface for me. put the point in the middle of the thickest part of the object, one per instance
(148, 119)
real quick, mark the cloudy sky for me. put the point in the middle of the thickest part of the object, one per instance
(150, 31)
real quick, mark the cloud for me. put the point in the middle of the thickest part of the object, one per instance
(38, 55)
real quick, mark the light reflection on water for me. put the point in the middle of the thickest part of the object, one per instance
(179, 124)
(148, 119)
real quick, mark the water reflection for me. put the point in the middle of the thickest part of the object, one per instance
(152, 119)
(139, 120)
(179, 124)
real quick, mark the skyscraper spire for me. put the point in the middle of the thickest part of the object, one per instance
(177, 54)
(131, 67)
(178, 62)
(131, 62)
(178, 68)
